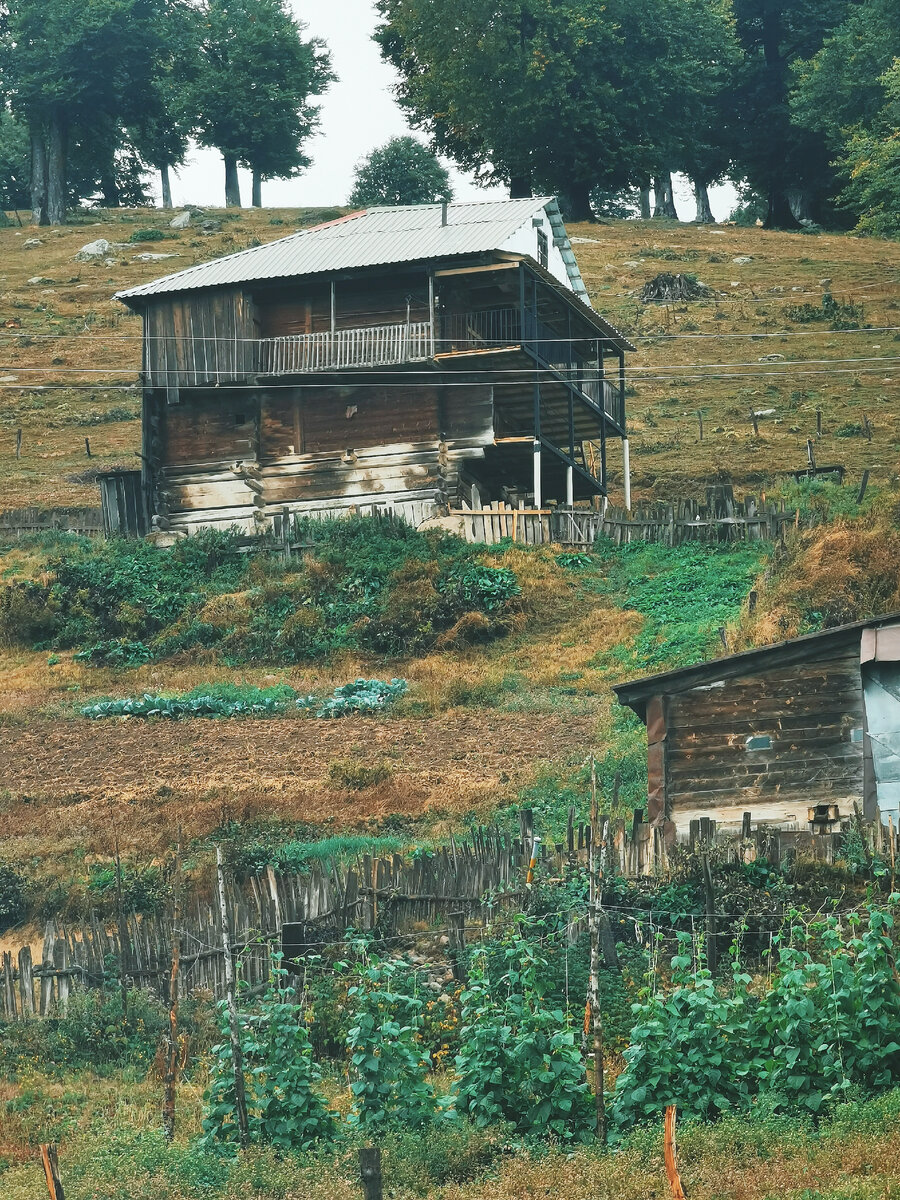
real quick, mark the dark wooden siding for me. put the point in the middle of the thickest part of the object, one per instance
(313, 420)
(199, 338)
(809, 710)
(214, 427)
(306, 308)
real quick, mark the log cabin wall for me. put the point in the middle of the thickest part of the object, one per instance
(305, 307)
(787, 735)
(236, 456)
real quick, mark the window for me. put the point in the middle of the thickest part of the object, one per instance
(543, 249)
(759, 741)
(240, 419)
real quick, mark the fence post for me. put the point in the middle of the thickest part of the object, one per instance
(592, 1009)
(237, 1057)
(710, 895)
(51, 1171)
(168, 1112)
(457, 936)
(671, 1154)
(370, 1172)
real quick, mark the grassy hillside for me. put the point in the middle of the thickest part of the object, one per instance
(65, 330)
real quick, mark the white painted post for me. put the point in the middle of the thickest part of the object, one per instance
(537, 473)
(570, 487)
(626, 466)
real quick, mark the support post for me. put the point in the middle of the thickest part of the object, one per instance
(51, 1171)
(537, 474)
(123, 937)
(626, 468)
(432, 314)
(710, 896)
(237, 1057)
(333, 310)
(370, 1172)
(457, 935)
(171, 1076)
(592, 1017)
(570, 487)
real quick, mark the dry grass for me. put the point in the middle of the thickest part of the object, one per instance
(110, 1148)
(97, 343)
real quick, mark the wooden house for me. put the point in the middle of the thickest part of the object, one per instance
(792, 733)
(425, 358)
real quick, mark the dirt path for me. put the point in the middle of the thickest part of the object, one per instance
(66, 781)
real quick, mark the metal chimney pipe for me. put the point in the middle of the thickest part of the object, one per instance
(444, 212)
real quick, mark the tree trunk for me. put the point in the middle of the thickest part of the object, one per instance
(38, 177)
(646, 211)
(780, 214)
(256, 199)
(520, 187)
(166, 186)
(110, 187)
(56, 172)
(665, 200)
(579, 202)
(801, 202)
(232, 183)
(704, 211)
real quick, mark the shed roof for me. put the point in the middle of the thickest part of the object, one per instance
(372, 237)
(636, 693)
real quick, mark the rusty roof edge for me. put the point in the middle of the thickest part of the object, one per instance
(636, 692)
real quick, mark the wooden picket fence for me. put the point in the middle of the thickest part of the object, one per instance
(304, 913)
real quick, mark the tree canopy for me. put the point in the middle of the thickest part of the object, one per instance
(252, 85)
(403, 171)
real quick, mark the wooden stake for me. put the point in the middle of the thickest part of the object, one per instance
(51, 1171)
(671, 1154)
(237, 1057)
(171, 1077)
(370, 1172)
(818, 422)
(87, 447)
(593, 1002)
(893, 855)
(867, 427)
(700, 420)
(862, 487)
(457, 935)
(710, 895)
(18, 444)
(123, 937)
(754, 420)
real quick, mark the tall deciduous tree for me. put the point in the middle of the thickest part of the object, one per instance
(567, 95)
(73, 66)
(780, 160)
(252, 87)
(403, 171)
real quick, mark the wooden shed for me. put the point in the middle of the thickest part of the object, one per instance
(425, 358)
(798, 731)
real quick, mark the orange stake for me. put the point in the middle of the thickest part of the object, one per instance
(671, 1155)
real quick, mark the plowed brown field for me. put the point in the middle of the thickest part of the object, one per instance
(71, 784)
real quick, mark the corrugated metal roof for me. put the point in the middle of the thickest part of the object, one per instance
(371, 237)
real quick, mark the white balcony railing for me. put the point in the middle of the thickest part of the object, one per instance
(371, 346)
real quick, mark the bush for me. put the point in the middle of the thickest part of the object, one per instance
(13, 900)
(147, 235)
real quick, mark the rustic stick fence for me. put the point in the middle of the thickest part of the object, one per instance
(19, 522)
(303, 913)
(721, 519)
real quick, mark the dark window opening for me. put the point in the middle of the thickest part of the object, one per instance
(543, 249)
(240, 419)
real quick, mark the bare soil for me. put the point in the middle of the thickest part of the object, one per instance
(69, 783)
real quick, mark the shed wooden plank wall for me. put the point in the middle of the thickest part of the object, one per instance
(307, 308)
(199, 338)
(809, 709)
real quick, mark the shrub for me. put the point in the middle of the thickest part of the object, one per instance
(357, 776)
(147, 235)
(13, 900)
(362, 696)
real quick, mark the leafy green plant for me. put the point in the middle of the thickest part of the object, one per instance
(283, 1106)
(485, 589)
(518, 1060)
(361, 696)
(222, 701)
(147, 235)
(13, 900)
(115, 652)
(388, 1064)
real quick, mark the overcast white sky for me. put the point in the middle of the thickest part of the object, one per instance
(358, 114)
